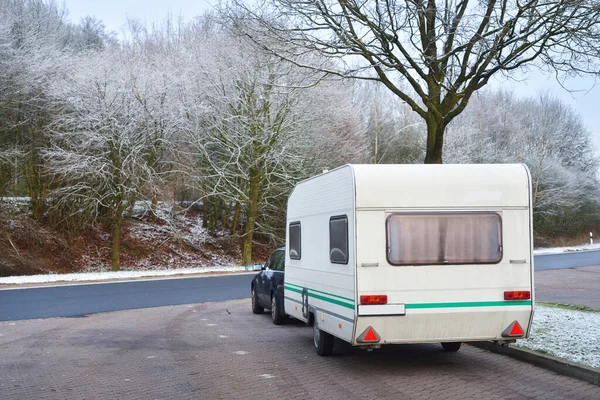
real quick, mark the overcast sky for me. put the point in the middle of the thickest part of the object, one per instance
(114, 14)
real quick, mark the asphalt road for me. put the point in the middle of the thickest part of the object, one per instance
(577, 286)
(79, 300)
(567, 260)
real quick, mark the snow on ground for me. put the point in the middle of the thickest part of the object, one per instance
(568, 334)
(558, 250)
(106, 276)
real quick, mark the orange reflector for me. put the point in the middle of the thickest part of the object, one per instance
(523, 295)
(373, 299)
(513, 329)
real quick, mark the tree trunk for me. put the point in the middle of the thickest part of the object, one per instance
(116, 240)
(435, 140)
(37, 195)
(35, 184)
(205, 205)
(214, 215)
(253, 199)
(226, 214)
(236, 217)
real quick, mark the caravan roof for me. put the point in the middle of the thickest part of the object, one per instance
(435, 186)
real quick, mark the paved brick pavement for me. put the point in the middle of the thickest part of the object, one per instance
(580, 286)
(223, 351)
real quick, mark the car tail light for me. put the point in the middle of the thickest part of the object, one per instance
(522, 295)
(373, 299)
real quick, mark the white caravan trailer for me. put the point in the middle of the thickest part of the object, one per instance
(392, 254)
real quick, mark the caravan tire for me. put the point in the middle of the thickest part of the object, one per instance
(323, 341)
(256, 308)
(451, 347)
(276, 316)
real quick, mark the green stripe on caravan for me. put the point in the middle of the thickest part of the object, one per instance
(315, 294)
(470, 304)
(291, 285)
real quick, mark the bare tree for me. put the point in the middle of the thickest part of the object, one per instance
(32, 44)
(91, 34)
(264, 128)
(395, 133)
(252, 114)
(108, 138)
(433, 55)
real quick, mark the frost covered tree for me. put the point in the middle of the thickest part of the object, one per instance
(107, 138)
(433, 55)
(90, 34)
(35, 39)
(242, 151)
(32, 40)
(394, 131)
(265, 128)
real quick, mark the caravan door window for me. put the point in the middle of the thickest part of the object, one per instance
(338, 239)
(295, 240)
(444, 238)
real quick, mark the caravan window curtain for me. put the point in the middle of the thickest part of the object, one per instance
(444, 238)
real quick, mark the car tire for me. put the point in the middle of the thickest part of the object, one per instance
(276, 315)
(451, 347)
(256, 308)
(323, 341)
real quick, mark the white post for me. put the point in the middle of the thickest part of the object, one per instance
(591, 238)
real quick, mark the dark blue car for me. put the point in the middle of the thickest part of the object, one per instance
(267, 287)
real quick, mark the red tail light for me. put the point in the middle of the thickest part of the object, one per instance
(373, 299)
(524, 295)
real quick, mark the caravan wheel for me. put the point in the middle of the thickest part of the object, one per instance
(451, 347)
(323, 341)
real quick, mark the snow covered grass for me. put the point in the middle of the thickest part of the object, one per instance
(106, 276)
(15, 204)
(569, 334)
(558, 250)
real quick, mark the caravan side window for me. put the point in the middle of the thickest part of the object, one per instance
(338, 239)
(295, 241)
(444, 238)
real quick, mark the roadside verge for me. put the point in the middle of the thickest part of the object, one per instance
(560, 366)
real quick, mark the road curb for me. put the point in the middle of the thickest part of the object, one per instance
(560, 366)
